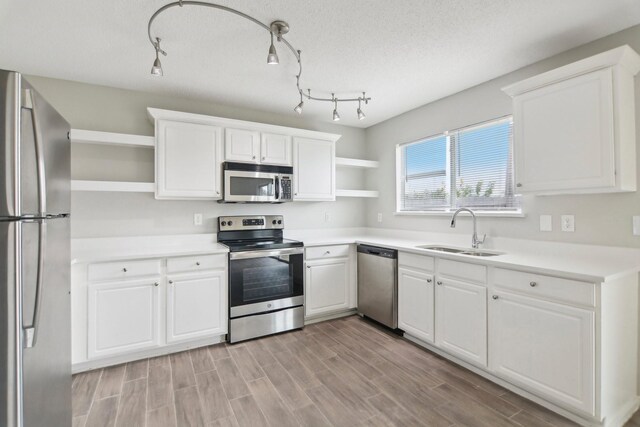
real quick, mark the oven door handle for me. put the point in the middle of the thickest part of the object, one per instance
(265, 253)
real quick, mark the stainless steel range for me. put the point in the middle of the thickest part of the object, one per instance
(266, 277)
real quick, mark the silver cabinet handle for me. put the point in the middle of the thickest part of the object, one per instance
(295, 194)
(156, 284)
(327, 252)
(518, 185)
(253, 158)
(264, 158)
(171, 282)
(439, 282)
(308, 266)
(124, 269)
(533, 284)
(429, 280)
(495, 297)
(197, 262)
(218, 193)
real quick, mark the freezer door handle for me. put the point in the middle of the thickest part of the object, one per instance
(31, 331)
(29, 102)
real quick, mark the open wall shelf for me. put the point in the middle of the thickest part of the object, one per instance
(127, 187)
(356, 163)
(79, 136)
(356, 193)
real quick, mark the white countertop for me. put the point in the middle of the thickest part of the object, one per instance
(581, 262)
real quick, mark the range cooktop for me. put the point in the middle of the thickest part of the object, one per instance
(254, 233)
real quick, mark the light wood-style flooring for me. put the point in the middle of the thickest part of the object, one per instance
(345, 372)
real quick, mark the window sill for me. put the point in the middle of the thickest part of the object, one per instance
(448, 214)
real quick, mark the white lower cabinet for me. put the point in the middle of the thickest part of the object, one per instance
(544, 347)
(122, 316)
(196, 306)
(327, 286)
(416, 303)
(461, 319)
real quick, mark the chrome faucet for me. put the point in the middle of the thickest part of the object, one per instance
(475, 242)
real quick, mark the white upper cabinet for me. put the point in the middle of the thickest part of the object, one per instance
(275, 149)
(313, 169)
(188, 157)
(574, 127)
(241, 145)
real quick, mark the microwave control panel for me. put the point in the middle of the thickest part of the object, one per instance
(285, 185)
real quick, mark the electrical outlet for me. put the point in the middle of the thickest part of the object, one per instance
(327, 217)
(546, 223)
(636, 225)
(379, 217)
(197, 219)
(568, 223)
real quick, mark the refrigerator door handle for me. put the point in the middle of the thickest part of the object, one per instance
(31, 331)
(29, 102)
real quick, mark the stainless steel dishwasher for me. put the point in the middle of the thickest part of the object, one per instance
(378, 284)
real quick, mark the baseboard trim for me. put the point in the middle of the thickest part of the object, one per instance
(624, 414)
(330, 316)
(153, 352)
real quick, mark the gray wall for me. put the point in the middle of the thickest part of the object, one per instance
(600, 219)
(121, 214)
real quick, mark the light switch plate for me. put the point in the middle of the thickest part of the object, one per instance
(568, 223)
(197, 219)
(636, 225)
(546, 223)
(379, 217)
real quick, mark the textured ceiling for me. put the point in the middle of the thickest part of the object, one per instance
(404, 53)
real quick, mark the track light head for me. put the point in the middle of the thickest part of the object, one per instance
(361, 114)
(298, 108)
(336, 116)
(156, 69)
(272, 57)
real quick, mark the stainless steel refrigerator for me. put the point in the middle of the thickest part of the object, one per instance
(35, 326)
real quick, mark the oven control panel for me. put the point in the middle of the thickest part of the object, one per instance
(253, 222)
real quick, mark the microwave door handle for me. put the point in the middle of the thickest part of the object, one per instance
(277, 180)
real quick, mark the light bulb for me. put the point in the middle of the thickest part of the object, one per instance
(298, 108)
(336, 116)
(361, 114)
(272, 57)
(156, 70)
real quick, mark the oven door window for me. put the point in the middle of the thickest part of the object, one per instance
(256, 280)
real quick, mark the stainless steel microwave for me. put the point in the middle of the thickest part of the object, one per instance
(249, 183)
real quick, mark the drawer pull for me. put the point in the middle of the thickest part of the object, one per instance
(495, 297)
(439, 283)
(197, 262)
(156, 284)
(327, 252)
(171, 282)
(429, 280)
(533, 284)
(124, 269)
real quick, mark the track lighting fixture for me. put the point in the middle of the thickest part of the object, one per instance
(156, 69)
(272, 58)
(277, 29)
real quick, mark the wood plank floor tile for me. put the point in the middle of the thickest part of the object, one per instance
(159, 360)
(470, 413)
(321, 351)
(132, 406)
(79, 421)
(164, 416)
(136, 370)
(160, 387)
(231, 378)
(332, 408)
(103, 413)
(291, 392)
(347, 373)
(393, 412)
(219, 351)
(182, 370)
(83, 389)
(201, 360)
(496, 403)
(538, 411)
(311, 416)
(249, 368)
(272, 407)
(357, 363)
(224, 422)
(247, 412)
(188, 407)
(306, 356)
(260, 353)
(212, 396)
(347, 395)
(380, 421)
(300, 374)
(526, 419)
(110, 382)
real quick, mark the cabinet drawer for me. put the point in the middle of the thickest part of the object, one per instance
(124, 269)
(565, 290)
(196, 263)
(320, 252)
(421, 262)
(462, 270)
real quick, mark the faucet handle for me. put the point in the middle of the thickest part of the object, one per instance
(481, 241)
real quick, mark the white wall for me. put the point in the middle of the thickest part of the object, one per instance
(600, 219)
(120, 214)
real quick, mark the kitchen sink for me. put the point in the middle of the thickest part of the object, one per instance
(461, 251)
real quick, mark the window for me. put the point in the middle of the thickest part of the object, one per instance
(470, 167)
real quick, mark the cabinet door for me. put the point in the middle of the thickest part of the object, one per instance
(313, 169)
(326, 286)
(196, 306)
(188, 159)
(416, 303)
(241, 145)
(122, 316)
(275, 149)
(564, 135)
(544, 347)
(461, 320)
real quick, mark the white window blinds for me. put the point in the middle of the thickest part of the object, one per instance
(470, 167)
